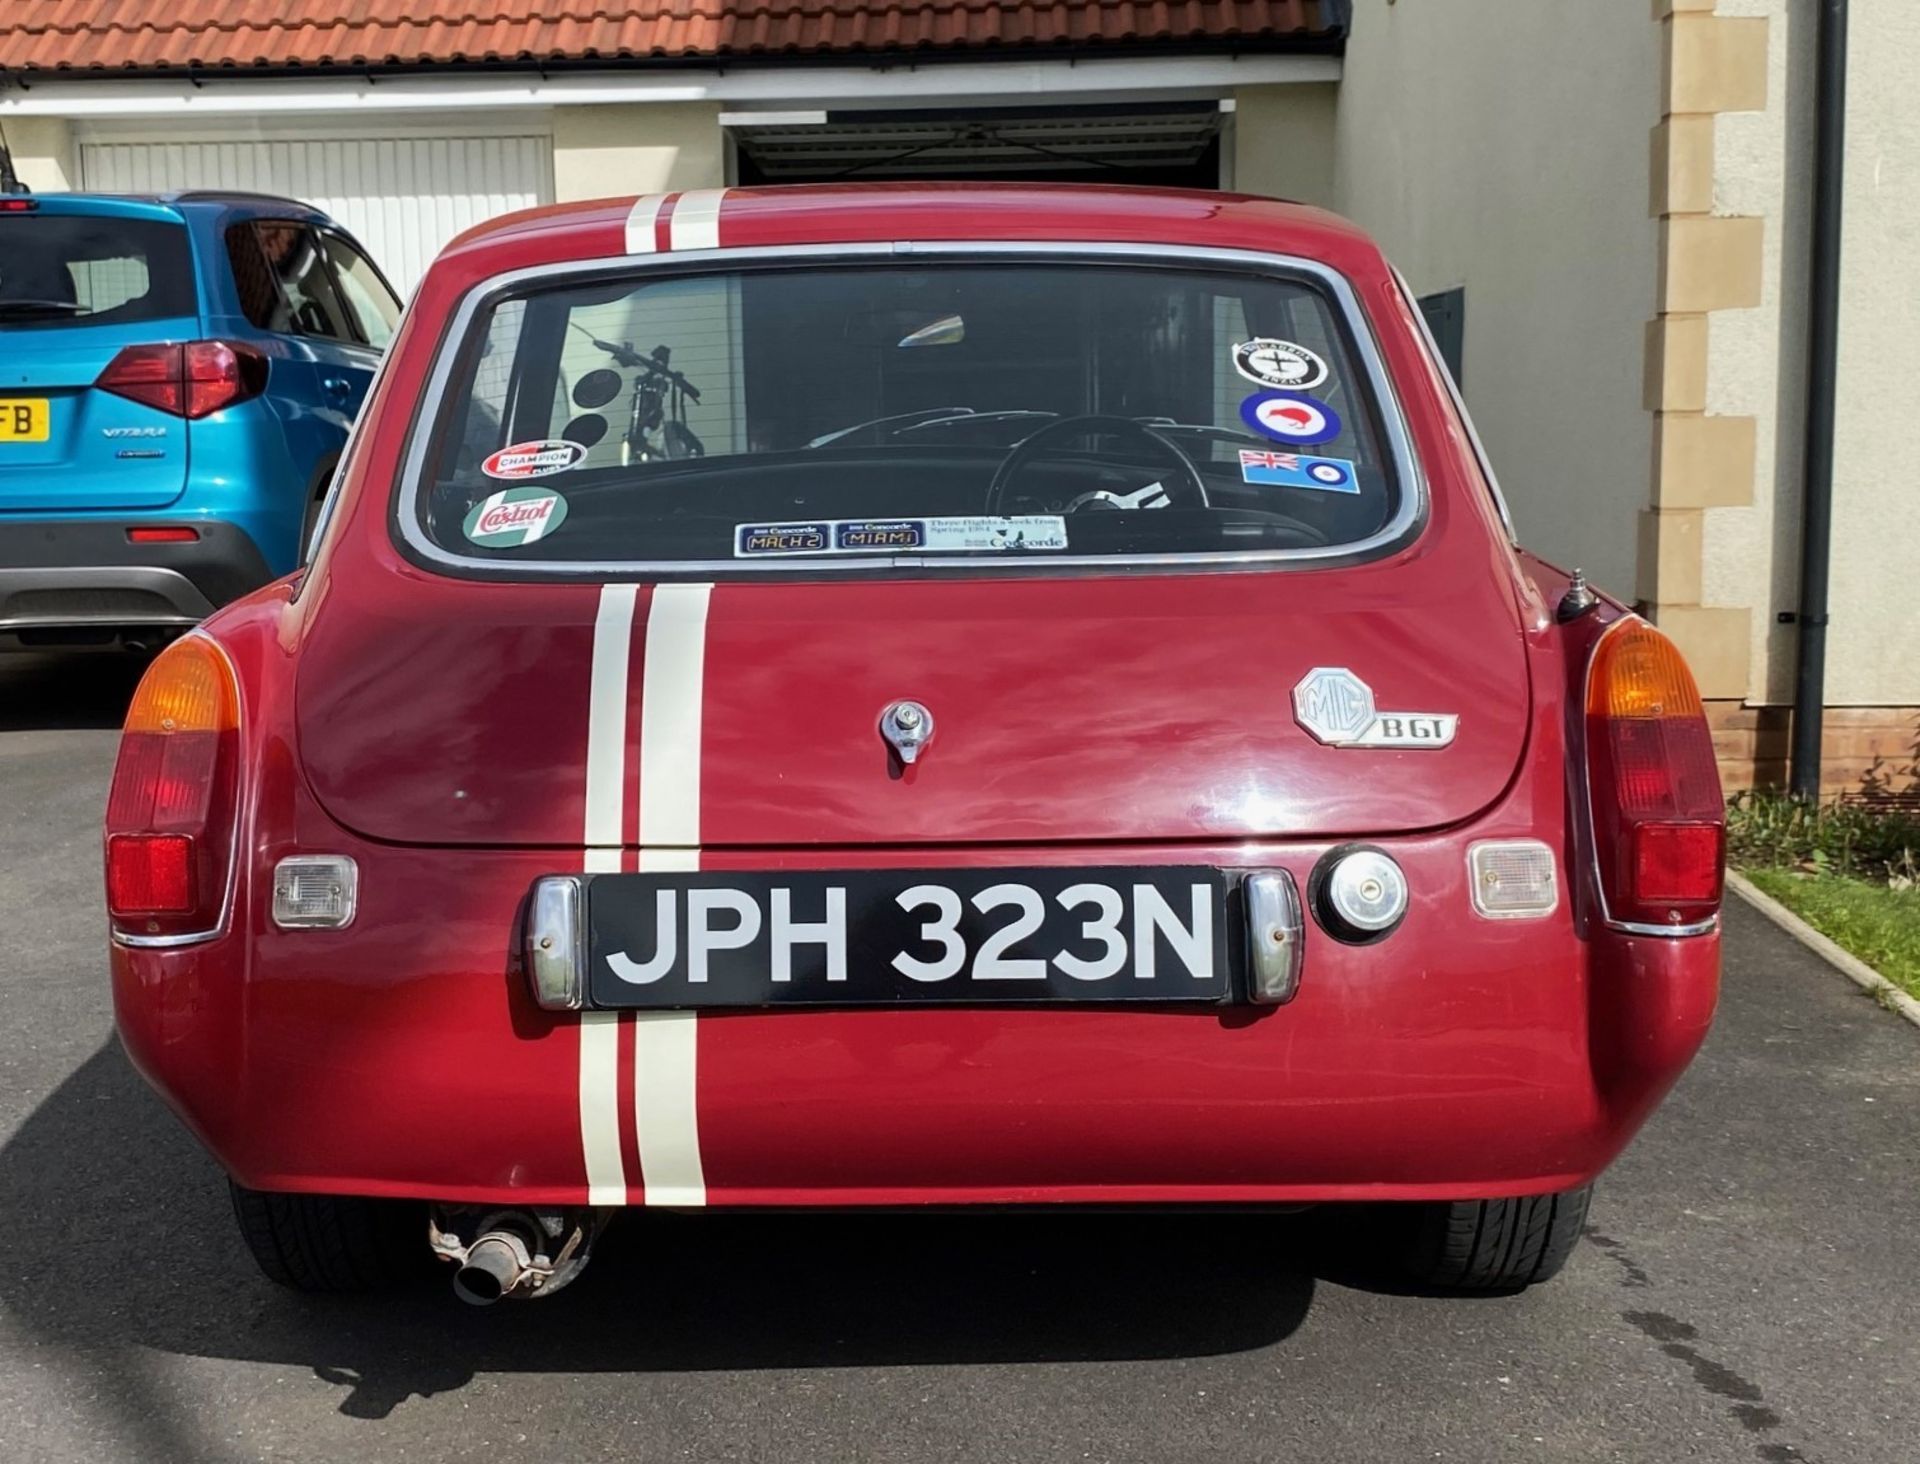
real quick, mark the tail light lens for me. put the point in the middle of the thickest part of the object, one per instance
(191, 380)
(1659, 822)
(171, 811)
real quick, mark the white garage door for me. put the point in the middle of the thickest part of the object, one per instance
(402, 197)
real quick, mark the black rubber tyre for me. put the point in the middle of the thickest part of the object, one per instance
(333, 1242)
(1496, 1245)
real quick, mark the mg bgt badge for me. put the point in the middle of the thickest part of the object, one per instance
(1337, 708)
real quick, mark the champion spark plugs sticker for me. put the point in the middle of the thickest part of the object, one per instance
(533, 459)
(514, 516)
(1267, 362)
(1290, 416)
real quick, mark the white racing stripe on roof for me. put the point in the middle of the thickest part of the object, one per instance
(695, 223)
(645, 213)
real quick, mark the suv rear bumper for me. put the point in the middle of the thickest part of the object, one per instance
(58, 575)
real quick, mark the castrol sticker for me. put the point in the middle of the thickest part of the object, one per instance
(533, 459)
(515, 516)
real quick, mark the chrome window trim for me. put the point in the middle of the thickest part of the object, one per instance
(1409, 517)
(1701, 927)
(1412, 302)
(225, 922)
(1585, 806)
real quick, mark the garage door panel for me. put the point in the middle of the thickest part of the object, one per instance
(402, 197)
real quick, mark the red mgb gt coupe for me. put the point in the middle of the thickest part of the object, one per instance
(908, 696)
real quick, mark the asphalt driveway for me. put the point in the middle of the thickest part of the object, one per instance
(1749, 1289)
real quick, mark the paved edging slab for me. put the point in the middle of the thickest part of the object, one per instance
(1851, 966)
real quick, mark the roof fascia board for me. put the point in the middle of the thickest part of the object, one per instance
(918, 85)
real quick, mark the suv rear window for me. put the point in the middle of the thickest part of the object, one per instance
(58, 269)
(861, 416)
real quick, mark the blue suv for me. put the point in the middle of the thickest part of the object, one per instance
(177, 377)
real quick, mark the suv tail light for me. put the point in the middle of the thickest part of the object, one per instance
(171, 811)
(1659, 823)
(191, 380)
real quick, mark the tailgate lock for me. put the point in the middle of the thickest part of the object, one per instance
(908, 727)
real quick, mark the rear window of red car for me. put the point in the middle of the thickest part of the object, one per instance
(906, 414)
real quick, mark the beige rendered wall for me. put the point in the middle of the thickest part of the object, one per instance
(1503, 145)
(639, 147)
(44, 156)
(1283, 142)
(1763, 165)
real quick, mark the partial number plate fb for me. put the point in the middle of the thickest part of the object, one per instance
(898, 936)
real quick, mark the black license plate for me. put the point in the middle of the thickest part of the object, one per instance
(896, 936)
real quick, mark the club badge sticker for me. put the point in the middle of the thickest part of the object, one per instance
(1282, 364)
(1290, 416)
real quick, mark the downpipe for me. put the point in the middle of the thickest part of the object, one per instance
(499, 1255)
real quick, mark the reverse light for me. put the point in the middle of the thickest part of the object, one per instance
(315, 891)
(171, 810)
(1512, 879)
(1659, 822)
(193, 379)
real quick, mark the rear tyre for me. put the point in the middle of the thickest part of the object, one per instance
(1495, 1245)
(333, 1243)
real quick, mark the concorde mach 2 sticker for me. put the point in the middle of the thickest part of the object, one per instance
(533, 459)
(1290, 416)
(514, 516)
(1297, 470)
(978, 535)
(1267, 362)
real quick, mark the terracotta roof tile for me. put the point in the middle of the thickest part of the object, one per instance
(147, 35)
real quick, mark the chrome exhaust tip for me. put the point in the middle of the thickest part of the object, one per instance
(514, 1253)
(497, 1265)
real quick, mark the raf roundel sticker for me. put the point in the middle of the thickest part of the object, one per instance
(1287, 416)
(533, 459)
(514, 516)
(1279, 363)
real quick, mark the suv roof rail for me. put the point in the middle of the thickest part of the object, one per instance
(233, 195)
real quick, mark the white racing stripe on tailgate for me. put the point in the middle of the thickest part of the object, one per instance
(606, 783)
(672, 685)
(640, 221)
(695, 223)
(673, 689)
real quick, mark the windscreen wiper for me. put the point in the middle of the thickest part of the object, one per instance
(41, 307)
(931, 414)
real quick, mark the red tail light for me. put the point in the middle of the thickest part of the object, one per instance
(190, 380)
(1659, 822)
(171, 811)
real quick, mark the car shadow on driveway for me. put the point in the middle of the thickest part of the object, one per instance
(122, 1239)
(67, 690)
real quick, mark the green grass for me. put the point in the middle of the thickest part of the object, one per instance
(1868, 919)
